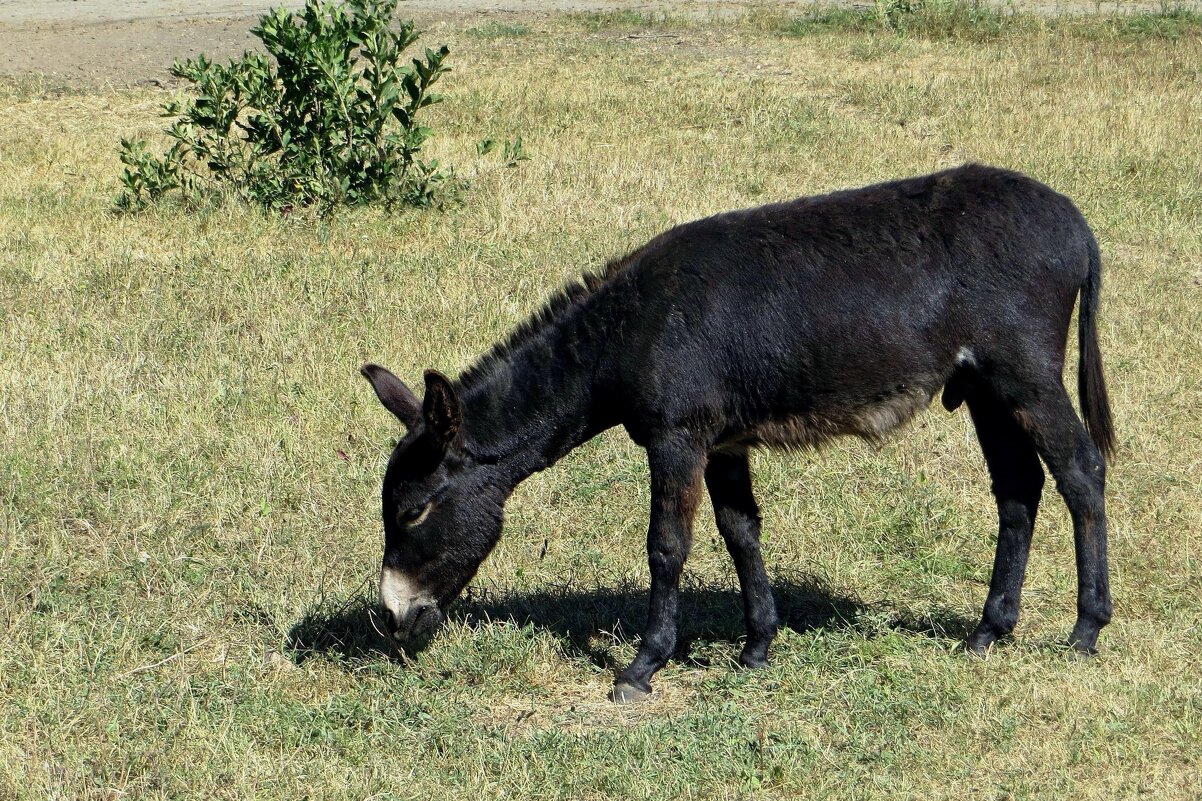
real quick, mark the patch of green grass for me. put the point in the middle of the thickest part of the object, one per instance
(925, 19)
(499, 30)
(1174, 22)
(628, 18)
(967, 20)
(826, 20)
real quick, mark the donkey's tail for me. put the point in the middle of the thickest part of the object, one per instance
(1091, 384)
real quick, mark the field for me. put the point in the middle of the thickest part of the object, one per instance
(190, 463)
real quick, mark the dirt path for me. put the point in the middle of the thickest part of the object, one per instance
(92, 42)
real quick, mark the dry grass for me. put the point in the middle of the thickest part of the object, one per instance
(189, 462)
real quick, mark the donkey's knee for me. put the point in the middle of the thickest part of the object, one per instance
(1016, 516)
(1018, 492)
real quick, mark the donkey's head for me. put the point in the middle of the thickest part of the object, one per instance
(442, 509)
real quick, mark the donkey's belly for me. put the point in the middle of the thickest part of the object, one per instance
(870, 419)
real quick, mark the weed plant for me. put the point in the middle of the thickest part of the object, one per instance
(328, 116)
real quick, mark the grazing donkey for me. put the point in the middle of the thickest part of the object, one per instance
(785, 325)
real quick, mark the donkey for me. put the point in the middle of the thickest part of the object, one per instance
(782, 326)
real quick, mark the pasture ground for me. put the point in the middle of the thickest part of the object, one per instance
(189, 462)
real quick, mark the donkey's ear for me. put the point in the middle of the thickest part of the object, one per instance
(441, 407)
(392, 392)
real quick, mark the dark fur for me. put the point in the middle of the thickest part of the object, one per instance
(785, 325)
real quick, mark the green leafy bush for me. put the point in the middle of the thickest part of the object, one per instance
(330, 118)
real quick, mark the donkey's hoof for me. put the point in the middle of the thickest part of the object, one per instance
(753, 660)
(979, 645)
(981, 640)
(626, 693)
(1082, 651)
(1084, 640)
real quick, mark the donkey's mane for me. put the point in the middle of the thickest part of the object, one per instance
(559, 306)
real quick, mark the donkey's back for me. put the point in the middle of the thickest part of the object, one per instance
(844, 314)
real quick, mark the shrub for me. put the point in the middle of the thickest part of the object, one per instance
(330, 118)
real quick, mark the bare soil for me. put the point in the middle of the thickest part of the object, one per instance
(123, 42)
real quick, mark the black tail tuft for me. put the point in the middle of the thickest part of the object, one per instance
(1091, 384)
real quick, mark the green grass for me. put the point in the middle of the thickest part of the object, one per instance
(628, 18)
(499, 30)
(979, 21)
(189, 462)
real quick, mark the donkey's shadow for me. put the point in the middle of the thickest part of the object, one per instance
(590, 622)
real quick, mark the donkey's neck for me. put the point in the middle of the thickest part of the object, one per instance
(535, 403)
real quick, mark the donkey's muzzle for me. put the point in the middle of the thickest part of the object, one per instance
(406, 609)
(419, 619)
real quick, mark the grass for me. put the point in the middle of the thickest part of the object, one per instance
(964, 21)
(499, 30)
(189, 463)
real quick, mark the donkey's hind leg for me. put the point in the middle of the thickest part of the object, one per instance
(728, 478)
(1017, 483)
(1044, 410)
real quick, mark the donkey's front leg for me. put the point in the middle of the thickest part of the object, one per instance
(676, 473)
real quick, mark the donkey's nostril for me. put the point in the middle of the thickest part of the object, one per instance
(390, 621)
(426, 618)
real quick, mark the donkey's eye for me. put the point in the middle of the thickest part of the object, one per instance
(411, 517)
